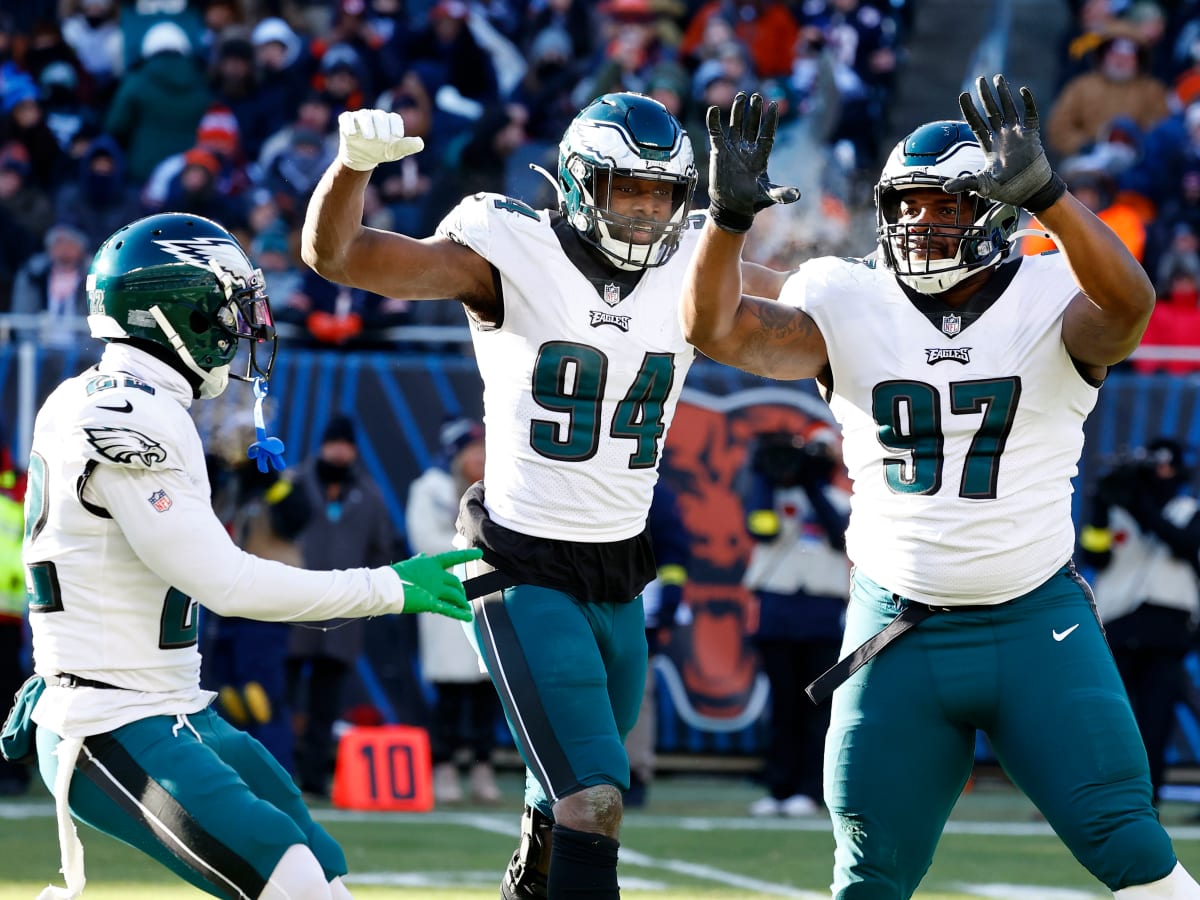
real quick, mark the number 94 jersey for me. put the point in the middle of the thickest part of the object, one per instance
(581, 374)
(962, 426)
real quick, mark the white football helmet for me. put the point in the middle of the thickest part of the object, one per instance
(928, 158)
(633, 135)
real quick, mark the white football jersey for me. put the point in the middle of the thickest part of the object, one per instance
(961, 427)
(581, 376)
(122, 543)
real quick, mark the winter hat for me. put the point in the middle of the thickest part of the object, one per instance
(218, 129)
(340, 428)
(165, 37)
(276, 30)
(456, 434)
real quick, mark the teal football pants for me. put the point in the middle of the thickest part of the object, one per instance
(1036, 676)
(570, 676)
(211, 804)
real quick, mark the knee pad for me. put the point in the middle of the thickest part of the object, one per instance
(297, 876)
(528, 870)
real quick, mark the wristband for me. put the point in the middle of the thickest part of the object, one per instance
(1046, 196)
(735, 223)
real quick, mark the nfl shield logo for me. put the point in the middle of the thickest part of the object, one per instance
(952, 324)
(612, 294)
(160, 501)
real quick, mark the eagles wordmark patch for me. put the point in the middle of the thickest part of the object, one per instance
(961, 355)
(125, 446)
(598, 318)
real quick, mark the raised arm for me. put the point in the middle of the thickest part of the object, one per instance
(760, 336)
(337, 246)
(1105, 321)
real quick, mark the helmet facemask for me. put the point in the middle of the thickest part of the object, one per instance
(631, 136)
(979, 238)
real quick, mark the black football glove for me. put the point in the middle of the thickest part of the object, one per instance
(1016, 169)
(738, 186)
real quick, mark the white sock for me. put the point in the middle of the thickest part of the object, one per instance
(297, 876)
(1178, 885)
(339, 891)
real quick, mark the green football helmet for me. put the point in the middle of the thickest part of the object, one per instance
(636, 136)
(927, 158)
(183, 282)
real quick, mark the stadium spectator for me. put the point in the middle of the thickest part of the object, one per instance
(1097, 191)
(100, 199)
(30, 206)
(458, 74)
(24, 122)
(349, 527)
(93, 32)
(218, 135)
(353, 28)
(243, 660)
(67, 116)
(52, 285)
(197, 189)
(1175, 322)
(314, 114)
(343, 79)
(799, 573)
(766, 27)
(1142, 535)
(1088, 103)
(466, 710)
(159, 104)
(285, 69)
(295, 171)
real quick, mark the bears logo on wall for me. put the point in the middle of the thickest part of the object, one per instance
(710, 668)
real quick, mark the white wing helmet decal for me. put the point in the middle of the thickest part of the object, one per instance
(219, 255)
(125, 446)
(203, 252)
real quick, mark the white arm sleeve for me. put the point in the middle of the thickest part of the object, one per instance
(188, 548)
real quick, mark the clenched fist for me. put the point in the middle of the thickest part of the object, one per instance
(368, 137)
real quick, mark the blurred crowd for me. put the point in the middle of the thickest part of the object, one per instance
(1124, 131)
(110, 109)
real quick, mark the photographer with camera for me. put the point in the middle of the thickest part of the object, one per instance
(1142, 537)
(801, 576)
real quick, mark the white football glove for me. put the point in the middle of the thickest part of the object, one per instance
(368, 137)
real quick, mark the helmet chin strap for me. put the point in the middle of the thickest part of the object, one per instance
(212, 383)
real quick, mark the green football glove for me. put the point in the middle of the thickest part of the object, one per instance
(738, 186)
(430, 587)
(1016, 169)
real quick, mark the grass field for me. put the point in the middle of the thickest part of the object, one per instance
(693, 840)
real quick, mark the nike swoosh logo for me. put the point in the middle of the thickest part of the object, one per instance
(1062, 635)
(127, 408)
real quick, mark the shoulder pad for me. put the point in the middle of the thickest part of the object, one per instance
(472, 222)
(130, 425)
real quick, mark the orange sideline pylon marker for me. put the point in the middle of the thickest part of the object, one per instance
(384, 767)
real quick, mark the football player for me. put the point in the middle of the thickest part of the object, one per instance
(122, 544)
(575, 323)
(961, 379)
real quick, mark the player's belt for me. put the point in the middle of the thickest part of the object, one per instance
(487, 583)
(909, 618)
(67, 680)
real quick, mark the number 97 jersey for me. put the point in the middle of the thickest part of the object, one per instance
(962, 426)
(581, 374)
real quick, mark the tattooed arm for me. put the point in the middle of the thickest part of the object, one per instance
(761, 336)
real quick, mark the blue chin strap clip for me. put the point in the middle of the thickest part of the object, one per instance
(267, 452)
